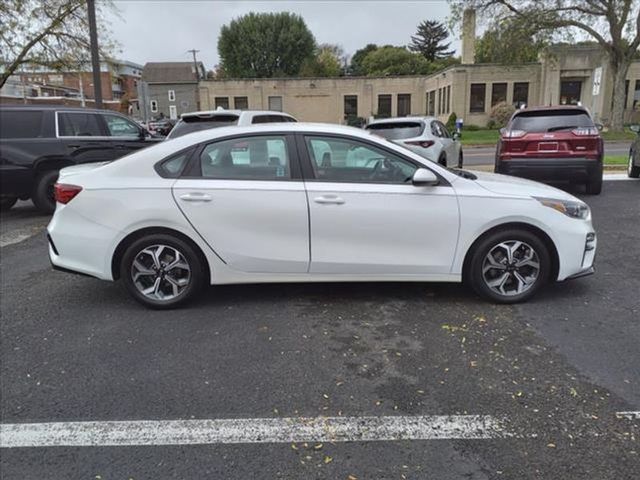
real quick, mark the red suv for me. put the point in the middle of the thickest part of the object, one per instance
(552, 144)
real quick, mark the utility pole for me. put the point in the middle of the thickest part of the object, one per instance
(195, 69)
(95, 53)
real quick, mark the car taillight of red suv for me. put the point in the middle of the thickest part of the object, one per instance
(552, 144)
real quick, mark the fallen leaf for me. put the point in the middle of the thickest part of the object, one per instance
(328, 459)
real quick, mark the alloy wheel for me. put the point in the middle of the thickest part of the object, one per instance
(160, 272)
(511, 268)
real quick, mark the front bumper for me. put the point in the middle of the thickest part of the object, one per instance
(550, 169)
(585, 273)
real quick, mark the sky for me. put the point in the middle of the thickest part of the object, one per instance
(164, 30)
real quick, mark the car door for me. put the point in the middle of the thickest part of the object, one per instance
(125, 136)
(245, 196)
(366, 217)
(448, 147)
(83, 136)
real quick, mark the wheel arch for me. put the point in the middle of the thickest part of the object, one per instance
(51, 163)
(541, 234)
(137, 234)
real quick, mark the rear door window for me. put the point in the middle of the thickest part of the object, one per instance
(195, 124)
(121, 127)
(551, 120)
(21, 124)
(397, 130)
(79, 124)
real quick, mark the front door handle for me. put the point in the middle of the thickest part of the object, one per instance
(329, 200)
(196, 197)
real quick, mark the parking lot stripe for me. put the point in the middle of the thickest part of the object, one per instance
(616, 176)
(250, 430)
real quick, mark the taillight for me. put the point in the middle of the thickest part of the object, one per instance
(64, 193)
(421, 143)
(514, 133)
(585, 131)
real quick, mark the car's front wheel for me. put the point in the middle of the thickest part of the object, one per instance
(162, 271)
(632, 170)
(509, 266)
(7, 202)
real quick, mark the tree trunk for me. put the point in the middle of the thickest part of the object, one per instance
(619, 72)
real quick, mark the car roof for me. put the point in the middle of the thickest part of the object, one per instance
(401, 120)
(552, 107)
(55, 107)
(213, 113)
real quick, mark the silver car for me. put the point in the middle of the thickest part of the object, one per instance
(426, 136)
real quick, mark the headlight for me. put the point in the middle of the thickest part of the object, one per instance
(569, 208)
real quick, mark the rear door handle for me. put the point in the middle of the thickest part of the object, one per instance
(196, 197)
(329, 200)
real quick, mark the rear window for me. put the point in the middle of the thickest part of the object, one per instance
(397, 131)
(20, 124)
(195, 124)
(551, 120)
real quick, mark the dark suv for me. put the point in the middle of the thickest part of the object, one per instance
(37, 141)
(552, 144)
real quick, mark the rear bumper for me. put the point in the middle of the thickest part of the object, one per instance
(574, 169)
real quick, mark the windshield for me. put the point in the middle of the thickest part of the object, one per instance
(195, 124)
(397, 130)
(551, 120)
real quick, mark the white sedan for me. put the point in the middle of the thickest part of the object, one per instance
(309, 203)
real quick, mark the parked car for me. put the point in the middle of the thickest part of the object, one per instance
(426, 136)
(37, 141)
(310, 203)
(633, 169)
(196, 121)
(161, 126)
(552, 144)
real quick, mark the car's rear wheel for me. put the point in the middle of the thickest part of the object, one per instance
(443, 160)
(509, 266)
(42, 195)
(460, 160)
(594, 186)
(162, 271)
(633, 170)
(7, 202)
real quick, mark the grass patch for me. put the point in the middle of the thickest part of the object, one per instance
(616, 159)
(490, 137)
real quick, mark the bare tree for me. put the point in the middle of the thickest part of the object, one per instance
(53, 34)
(614, 24)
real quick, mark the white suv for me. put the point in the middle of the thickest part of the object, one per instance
(196, 121)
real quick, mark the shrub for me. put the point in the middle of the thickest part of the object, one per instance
(451, 122)
(500, 115)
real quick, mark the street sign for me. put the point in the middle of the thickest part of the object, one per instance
(597, 80)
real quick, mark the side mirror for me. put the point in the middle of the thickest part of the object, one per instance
(599, 126)
(423, 177)
(456, 136)
(635, 128)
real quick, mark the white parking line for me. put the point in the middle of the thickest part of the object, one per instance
(629, 415)
(616, 176)
(250, 430)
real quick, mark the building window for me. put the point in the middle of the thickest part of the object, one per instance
(520, 94)
(498, 93)
(173, 112)
(404, 104)
(384, 106)
(448, 98)
(431, 103)
(570, 92)
(350, 106)
(275, 104)
(172, 95)
(636, 96)
(154, 106)
(439, 109)
(241, 103)
(477, 98)
(222, 102)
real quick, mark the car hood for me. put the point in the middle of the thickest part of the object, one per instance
(515, 186)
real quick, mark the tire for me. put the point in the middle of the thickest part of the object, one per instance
(594, 186)
(480, 275)
(633, 170)
(460, 160)
(443, 160)
(7, 202)
(139, 271)
(42, 195)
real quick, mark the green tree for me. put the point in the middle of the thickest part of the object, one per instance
(355, 67)
(430, 40)
(52, 34)
(497, 42)
(263, 45)
(390, 60)
(327, 62)
(614, 24)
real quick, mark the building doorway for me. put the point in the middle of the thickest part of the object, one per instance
(570, 92)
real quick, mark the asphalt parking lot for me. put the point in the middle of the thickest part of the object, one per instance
(555, 373)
